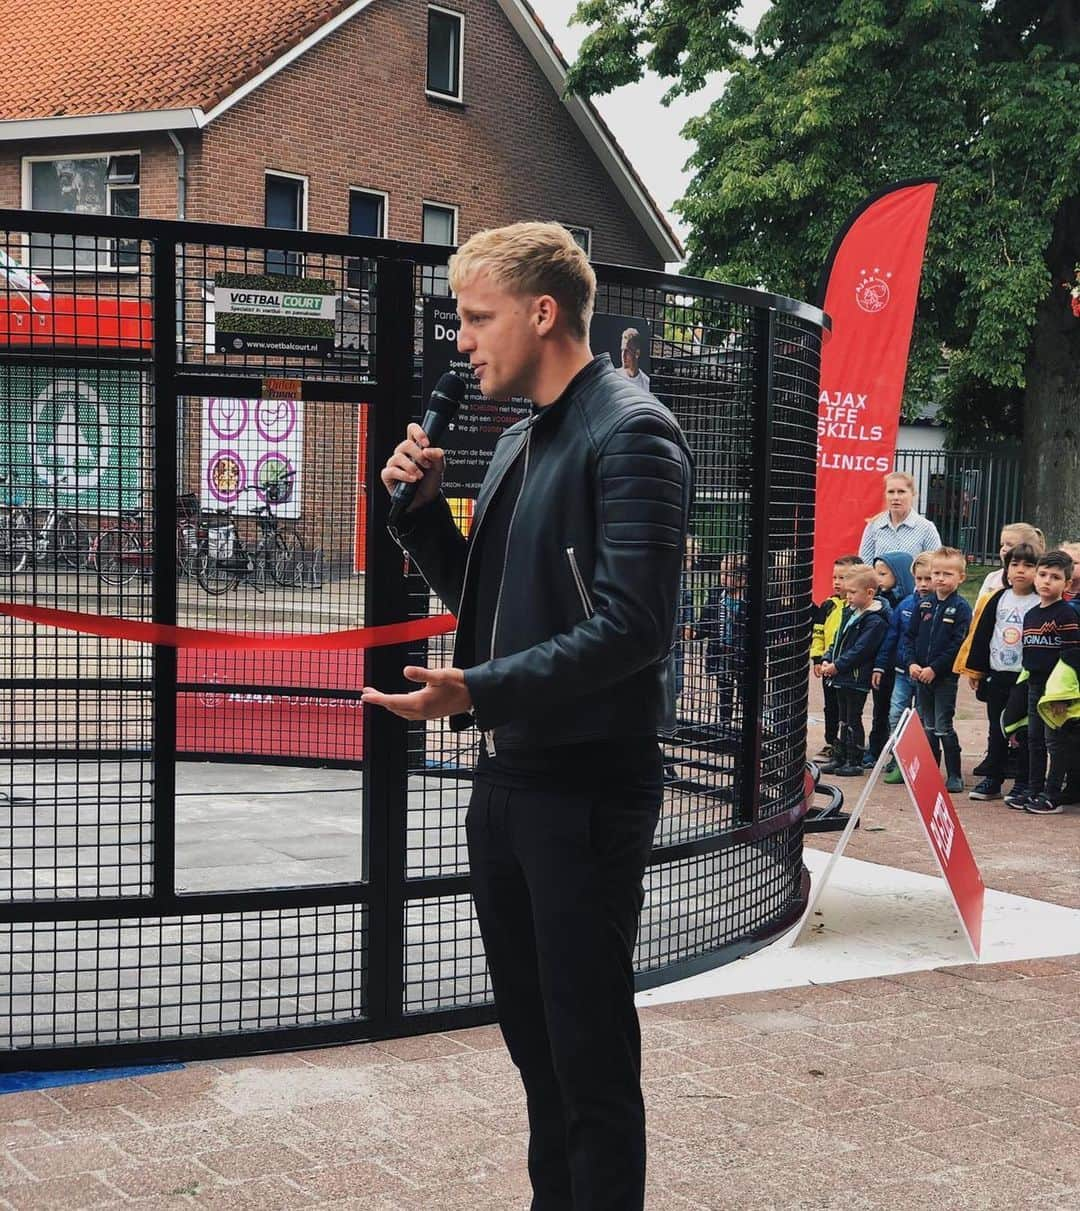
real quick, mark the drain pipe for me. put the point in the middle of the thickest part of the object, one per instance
(181, 214)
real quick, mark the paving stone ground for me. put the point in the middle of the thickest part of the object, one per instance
(957, 1088)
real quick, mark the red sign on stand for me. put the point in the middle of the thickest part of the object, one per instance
(943, 830)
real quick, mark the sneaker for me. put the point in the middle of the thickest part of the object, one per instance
(986, 789)
(868, 760)
(823, 753)
(849, 771)
(1019, 800)
(1043, 805)
(1020, 790)
(893, 776)
(954, 784)
(983, 768)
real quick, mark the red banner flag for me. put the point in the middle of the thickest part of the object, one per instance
(869, 287)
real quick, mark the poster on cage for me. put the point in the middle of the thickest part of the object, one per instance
(252, 454)
(71, 437)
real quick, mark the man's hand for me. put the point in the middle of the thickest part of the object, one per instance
(444, 693)
(828, 669)
(415, 459)
(974, 682)
(926, 675)
(913, 671)
(875, 678)
(817, 670)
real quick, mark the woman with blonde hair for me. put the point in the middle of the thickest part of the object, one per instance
(900, 528)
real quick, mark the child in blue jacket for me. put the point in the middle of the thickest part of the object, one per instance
(936, 632)
(849, 664)
(895, 653)
(895, 585)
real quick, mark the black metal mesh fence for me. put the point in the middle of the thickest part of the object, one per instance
(237, 845)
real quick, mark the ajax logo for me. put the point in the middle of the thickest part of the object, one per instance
(872, 294)
(70, 436)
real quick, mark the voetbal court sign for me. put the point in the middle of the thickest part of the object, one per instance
(273, 313)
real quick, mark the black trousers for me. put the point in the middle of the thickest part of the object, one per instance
(832, 714)
(851, 725)
(879, 729)
(557, 881)
(998, 687)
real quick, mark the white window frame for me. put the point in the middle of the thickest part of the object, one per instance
(459, 97)
(105, 266)
(572, 227)
(290, 176)
(454, 210)
(375, 193)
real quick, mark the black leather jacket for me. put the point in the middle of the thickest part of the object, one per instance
(589, 579)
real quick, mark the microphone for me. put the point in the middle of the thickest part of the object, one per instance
(441, 410)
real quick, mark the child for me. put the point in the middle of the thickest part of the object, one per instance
(723, 624)
(1050, 629)
(895, 652)
(1012, 535)
(1072, 593)
(684, 616)
(826, 624)
(937, 629)
(1060, 711)
(849, 663)
(992, 661)
(895, 584)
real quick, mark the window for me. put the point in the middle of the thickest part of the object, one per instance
(83, 184)
(582, 237)
(444, 30)
(439, 227)
(286, 205)
(367, 216)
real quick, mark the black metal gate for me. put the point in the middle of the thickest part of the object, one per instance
(213, 852)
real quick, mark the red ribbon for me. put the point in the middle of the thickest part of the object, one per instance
(248, 641)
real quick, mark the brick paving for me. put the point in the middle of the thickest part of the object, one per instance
(955, 1088)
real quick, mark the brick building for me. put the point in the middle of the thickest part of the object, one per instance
(377, 117)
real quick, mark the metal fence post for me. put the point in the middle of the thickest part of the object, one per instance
(386, 780)
(164, 420)
(757, 562)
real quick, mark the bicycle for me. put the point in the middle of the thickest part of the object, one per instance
(125, 550)
(60, 537)
(224, 559)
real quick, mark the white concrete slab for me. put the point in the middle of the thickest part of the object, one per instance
(879, 920)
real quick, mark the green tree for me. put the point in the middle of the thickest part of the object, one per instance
(830, 100)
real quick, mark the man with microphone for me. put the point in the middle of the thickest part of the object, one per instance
(565, 593)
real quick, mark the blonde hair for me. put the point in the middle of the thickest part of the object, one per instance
(949, 555)
(631, 339)
(532, 259)
(1032, 535)
(908, 479)
(1073, 549)
(923, 558)
(860, 576)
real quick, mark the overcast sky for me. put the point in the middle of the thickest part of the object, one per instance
(647, 131)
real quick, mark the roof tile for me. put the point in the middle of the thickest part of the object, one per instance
(79, 57)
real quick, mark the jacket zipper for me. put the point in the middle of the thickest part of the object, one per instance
(489, 737)
(583, 593)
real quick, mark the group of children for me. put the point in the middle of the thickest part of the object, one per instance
(901, 632)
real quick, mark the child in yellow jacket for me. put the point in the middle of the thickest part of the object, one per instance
(826, 625)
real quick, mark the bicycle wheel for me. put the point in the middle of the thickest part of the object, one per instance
(286, 558)
(16, 541)
(187, 549)
(214, 575)
(72, 542)
(118, 556)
